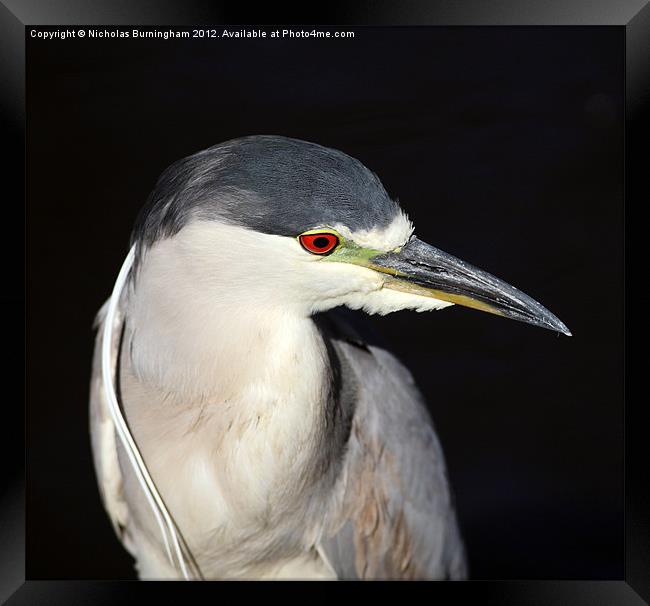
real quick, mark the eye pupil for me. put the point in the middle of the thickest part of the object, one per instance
(321, 242)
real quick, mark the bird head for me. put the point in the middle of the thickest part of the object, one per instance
(286, 224)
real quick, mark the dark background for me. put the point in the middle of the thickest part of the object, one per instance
(504, 145)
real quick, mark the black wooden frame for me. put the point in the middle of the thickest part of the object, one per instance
(15, 15)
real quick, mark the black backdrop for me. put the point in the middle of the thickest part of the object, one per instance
(504, 145)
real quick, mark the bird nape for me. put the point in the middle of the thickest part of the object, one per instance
(259, 435)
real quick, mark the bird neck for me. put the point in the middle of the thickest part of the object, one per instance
(233, 400)
(224, 351)
(232, 415)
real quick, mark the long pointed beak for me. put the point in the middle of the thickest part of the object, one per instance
(425, 270)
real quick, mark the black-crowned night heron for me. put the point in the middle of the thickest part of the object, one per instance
(264, 439)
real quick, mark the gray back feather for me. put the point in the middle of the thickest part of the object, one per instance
(392, 513)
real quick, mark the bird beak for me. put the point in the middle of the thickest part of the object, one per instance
(421, 269)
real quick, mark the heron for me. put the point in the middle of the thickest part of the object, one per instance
(242, 424)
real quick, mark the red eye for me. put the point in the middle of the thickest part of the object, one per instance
(319, 244)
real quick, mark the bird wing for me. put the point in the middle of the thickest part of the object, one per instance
(103, 438)
(392, 513)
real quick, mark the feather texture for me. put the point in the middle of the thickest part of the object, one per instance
(392, 514)
(382, 510)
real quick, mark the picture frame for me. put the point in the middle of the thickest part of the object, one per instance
(634, 588)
